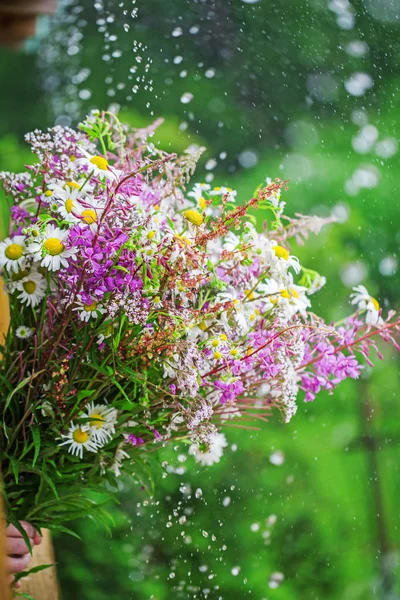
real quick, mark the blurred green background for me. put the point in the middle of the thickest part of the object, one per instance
(306, 90)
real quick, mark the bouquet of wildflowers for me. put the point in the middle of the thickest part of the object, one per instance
(145, 310)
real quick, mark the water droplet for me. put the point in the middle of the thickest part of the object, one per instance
(186, 98)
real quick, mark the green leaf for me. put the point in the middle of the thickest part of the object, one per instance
(19, 387)
(83, 394)
(63, 529)
(24, 595)
(36, 440)
(14, 466)
(37, 569)
(11, 519)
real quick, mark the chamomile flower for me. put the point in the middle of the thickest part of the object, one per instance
(198, 193)
(90, 213)
(79, 438)
(369, 304)
(32, 288)
(23, 333)
(97, 166)
(209, 453)
(67, 204)
(157, 302)
(89, 310)
(102, 422)
(284, 260)
(13, 253)
(50, 249)
(224, 191)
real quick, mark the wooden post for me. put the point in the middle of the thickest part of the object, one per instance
(42, 585)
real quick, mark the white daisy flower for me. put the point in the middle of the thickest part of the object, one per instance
(369, 304)
(224, 191)
(90, 310)
(102, 422)
(79, 438)
(157, 302)
(90, 213)
(23, 333)
(211, 453)
(284, 260)
(50, 249)
(119, 457)
(67, 203)
(199, 189)
(98, 166)
(13, 253)
(32, 288)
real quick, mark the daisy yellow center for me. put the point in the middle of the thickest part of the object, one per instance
(223, 337)
(69, 205)
(89, 216)
(217, 355)
(281, 252)
(80, 436)
(14, 251)
(90, 307)
(203, 326)
(234, 352)
(97, 420)
(151, 235)
(73, 185)
(202, 203)
(274, 300)
(193, 217)
(100, 162)
(30, 287)
(48, 193)
(249, 294)
(285, 294)
(53, 246)
(215, 343)
(157, 299)
(375, 303)
(294, 293)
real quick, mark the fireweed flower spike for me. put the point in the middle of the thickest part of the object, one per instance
(142, 303)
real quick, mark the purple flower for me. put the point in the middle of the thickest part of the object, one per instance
(134, 440)
(230, 390)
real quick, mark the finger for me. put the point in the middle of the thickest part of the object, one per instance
(12, 531)
(16, 565)
(17, 546)
(37, 539)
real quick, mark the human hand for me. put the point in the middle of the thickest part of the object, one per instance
(18, 555)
